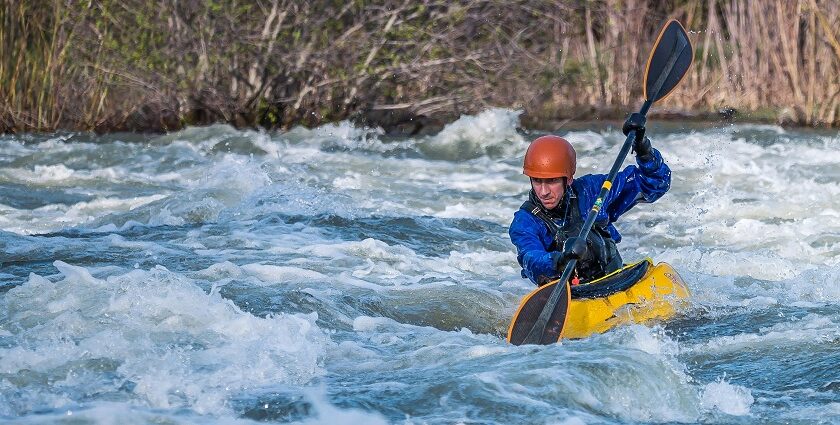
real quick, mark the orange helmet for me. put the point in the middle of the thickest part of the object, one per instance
(549, 157)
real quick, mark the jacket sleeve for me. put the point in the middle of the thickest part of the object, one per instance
(642, 183)
(532, 239)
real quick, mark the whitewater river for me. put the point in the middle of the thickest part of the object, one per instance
(338, 276)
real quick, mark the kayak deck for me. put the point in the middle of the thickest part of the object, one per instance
(636, 293)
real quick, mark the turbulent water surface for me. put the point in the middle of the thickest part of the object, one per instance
(336, 275)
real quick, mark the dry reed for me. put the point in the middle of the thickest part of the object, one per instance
(147, 65)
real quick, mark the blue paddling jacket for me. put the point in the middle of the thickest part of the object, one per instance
(535, 241)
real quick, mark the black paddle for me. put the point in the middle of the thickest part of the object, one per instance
(669, 60)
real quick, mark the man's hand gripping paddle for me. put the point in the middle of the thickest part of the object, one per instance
(542, 314)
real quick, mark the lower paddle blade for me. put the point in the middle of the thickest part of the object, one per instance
(529, 311)
(669, 61)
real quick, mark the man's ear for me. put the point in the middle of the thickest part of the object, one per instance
(570, 180)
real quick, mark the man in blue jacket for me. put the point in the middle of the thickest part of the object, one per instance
(546, 226)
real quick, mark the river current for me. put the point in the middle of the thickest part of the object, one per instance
(340, 276)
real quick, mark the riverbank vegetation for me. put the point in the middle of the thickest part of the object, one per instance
(146, 65)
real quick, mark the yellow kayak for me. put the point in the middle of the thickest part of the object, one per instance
(636, 293)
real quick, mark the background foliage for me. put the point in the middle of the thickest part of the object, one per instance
(151, 65)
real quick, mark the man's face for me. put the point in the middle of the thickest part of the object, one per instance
(549, 191)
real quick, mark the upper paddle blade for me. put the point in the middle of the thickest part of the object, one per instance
(669, 61)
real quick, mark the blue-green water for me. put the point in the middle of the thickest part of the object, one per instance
(337, 275)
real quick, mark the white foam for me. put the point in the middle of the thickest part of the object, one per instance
(369, 324)
(485, 350)
(568, 421)
(344, 130)
(57, 216)
(745, 197)
(190, 187)
(59, 175)
(179, 346)
(385, 262)
(818, 285)
(218, 271)
(809, 329)
(588, 141)
(720, 262)
(342, 135)
(728, 398)
(475, 136)
(483, 262)
(649, 339)
(823, 413)
(282, 274)
(351, 180)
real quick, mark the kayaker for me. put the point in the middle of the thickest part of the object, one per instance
(545, 228)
